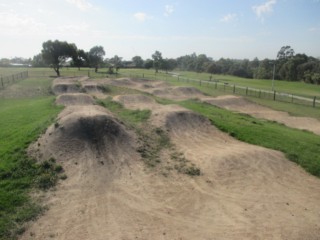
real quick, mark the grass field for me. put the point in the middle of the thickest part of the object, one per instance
(21, 122)
(26, 109)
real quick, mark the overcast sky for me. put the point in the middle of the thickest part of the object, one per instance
(218, 28)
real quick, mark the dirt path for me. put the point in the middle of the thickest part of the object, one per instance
(240, 104)
(244, 191)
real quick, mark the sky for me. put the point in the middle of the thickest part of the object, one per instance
(236, 29)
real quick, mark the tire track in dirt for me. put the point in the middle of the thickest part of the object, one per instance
(239, 104)
(244, 192)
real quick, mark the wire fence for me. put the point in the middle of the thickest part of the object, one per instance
(238, 90)
(212, 84)
(10, 79)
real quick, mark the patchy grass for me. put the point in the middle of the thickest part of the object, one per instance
(21, 122)
(302, 147)
(292, 109)
(153, 141)
(117, 90)
(130, 117)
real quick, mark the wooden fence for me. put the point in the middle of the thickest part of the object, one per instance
(240, 90)
(10, 79)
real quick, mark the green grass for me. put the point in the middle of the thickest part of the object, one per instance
(292, 109)
(130, 117)
(298, 88)
(28, 88)
(21, 122)
(299, 146)
(117, 90)
(6, 71)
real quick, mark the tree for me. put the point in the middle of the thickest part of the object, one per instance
(285, 52)
(137, 61)
(116, 62)
(37, 61)
(168, 64)
(95, 56)
(148, 64)
(157, 60)
(80, 59)
(56, 53)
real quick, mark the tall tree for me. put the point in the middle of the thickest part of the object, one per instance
(157, 60)
(95, 57)
(55, 53)
(137, 61)
(116, 61)
(285, 52)
(80, 59)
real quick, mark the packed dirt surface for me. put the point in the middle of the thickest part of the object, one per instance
(242, 105)
(74, 99)
(243, 192)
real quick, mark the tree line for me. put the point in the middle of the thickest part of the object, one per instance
(287, 65)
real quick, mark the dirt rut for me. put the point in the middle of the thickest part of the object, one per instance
(244, 191)
(242, 105)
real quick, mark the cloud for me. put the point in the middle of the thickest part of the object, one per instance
(141, 16)
(12, 23)
(314, 29)
(83, 5)
(228, 18)
(169, 9)
(74, 30)
(263, 9)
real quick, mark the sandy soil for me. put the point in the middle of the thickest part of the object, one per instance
(240, 104)
(244, 191)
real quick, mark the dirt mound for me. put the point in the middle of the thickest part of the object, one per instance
(83, 131)
(242, 105)
(178, 92)
(122, 82)
(70, 79)
(228, 101)
(70, 99)
(92, 87)
(243, 192)
(186, 120)
(134, 99)
(60, 88)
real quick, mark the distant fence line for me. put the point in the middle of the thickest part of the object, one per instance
(241, 90)
(213, 84)
(10, 79)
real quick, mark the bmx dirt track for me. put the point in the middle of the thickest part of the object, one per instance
(243, 192)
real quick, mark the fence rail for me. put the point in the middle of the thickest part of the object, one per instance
(240, 90)
(10, 79)
(213, 84)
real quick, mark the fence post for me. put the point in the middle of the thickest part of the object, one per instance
(274, 95)
(291, 98)
(200, 82)
(314, 101)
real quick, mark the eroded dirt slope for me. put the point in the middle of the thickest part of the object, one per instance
(243, 192)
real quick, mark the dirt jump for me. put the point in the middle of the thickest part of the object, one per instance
(243, 191)
(242, 105)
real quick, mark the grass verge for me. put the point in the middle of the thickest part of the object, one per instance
(21, 122)
(302, 147)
